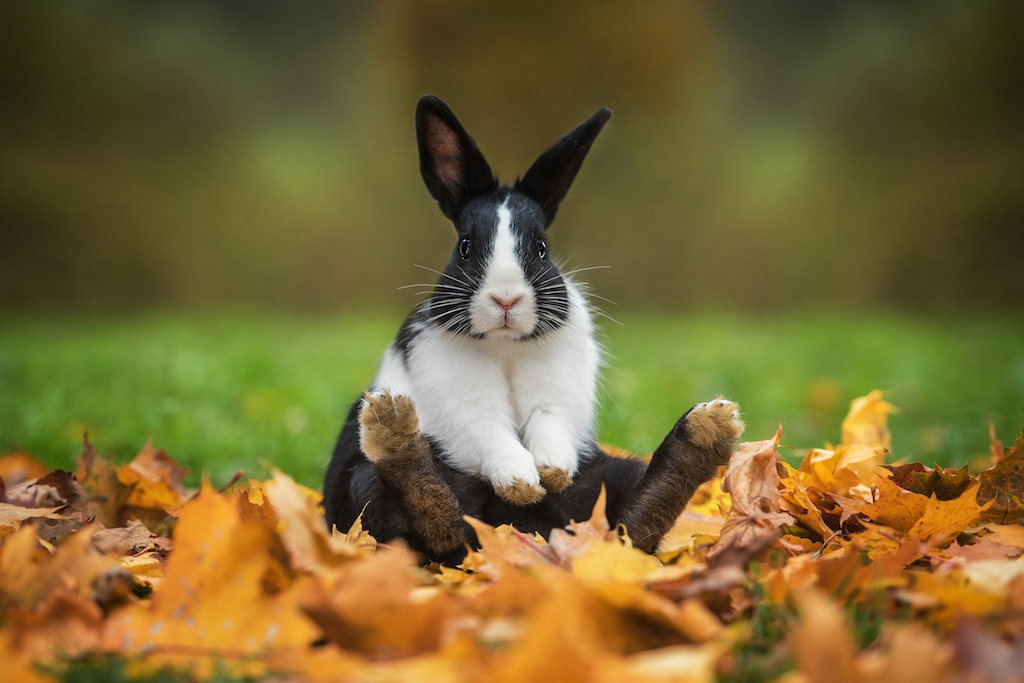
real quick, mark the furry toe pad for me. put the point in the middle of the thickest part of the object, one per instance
(715, 423)
(553, 479)
(388, 426)
(520, 493)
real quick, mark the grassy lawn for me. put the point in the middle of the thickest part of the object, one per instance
(241, 391)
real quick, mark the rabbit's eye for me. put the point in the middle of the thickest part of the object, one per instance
(464, 247)
(542, 249)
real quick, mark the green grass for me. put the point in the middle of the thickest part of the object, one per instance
(239, 391)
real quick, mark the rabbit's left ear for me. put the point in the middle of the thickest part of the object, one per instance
(452, 167)
(548, 180)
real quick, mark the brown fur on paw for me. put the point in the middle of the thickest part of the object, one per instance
(388, 426)
(520, 493)
(715, 423)
(553, 479)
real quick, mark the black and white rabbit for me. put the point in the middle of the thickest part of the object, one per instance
(484, 403)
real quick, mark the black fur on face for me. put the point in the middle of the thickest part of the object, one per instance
(448, 307)
(460, 180)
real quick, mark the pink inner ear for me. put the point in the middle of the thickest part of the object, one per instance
(444, 149)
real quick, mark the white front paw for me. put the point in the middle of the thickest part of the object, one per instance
(516, 481)
(556, 466)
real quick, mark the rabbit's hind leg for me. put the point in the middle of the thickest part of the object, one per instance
(698, 444)
(390, 436)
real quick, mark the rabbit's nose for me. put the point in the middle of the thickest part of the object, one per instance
(506, 304)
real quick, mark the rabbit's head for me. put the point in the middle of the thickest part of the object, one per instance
(500, 280)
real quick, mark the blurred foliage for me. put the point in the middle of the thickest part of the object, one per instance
(762, 155)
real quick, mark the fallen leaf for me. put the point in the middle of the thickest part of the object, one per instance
(358, 611)
(132, 538)
(895, 507)
(577, 537)
(29, 575)
(866, 422)
(944, 484)
(14, 515)
(752, 479)
(689, 527)
(66, 625)
(98, 478)
(311, 547)
(943, 520)
(1004, 485)
(155, 480)
(214, 602)
(753, 522)
(984, 549)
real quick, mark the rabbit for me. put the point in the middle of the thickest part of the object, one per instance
(484, 403)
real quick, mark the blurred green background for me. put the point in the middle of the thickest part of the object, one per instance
(187, 185)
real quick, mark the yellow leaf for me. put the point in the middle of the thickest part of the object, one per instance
(688, 527)
(895, 507)
(866, 422)
(148, 566)
(304, 534)
(213, 603)
(943, 520)
(614, 562)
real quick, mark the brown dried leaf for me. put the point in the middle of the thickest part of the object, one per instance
(14, 515)
(304, 534)
(133, 538)
(944, 484)
(107, 495)
(984, 549)
(752, 526)
(1004, 485)
(753, 479)
(29, 574)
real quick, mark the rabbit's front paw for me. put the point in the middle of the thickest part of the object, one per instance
(555, 466)
(388, 426)
(516, 480)
(520, 492)
(553, 479)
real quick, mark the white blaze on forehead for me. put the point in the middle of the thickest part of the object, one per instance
(504, 280)
(503, 263)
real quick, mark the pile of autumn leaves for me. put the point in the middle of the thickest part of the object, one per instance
(246, 582)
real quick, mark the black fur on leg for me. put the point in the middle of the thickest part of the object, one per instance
(646, 498)
(677, 468)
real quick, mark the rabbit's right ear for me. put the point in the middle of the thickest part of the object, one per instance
(453, 168)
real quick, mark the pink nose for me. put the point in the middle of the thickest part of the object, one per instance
(506, 304)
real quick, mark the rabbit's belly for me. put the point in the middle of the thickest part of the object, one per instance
(484, 406)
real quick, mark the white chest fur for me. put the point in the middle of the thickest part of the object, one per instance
(501, 407)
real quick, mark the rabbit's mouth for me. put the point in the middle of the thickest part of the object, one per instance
(503, 313)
